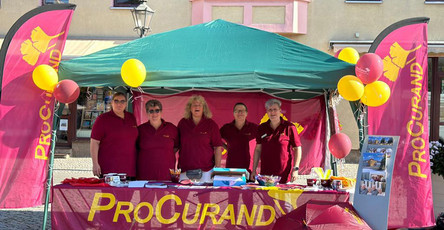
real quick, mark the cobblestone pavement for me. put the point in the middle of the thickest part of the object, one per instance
(32, 218)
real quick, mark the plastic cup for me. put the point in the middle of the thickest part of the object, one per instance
(326, 183)
(337, 184)
(175, 178)
(107, 178)
(175, 175)
(122, 177)
(311, 182)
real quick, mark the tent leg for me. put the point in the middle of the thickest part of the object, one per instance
(51, 163)
(331, 129)
(334, 167)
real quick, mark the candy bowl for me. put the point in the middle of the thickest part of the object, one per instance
(175, 175)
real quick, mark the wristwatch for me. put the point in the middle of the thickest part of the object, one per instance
(296, 168)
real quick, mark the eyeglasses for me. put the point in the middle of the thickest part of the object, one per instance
(151, 111)
(119, 101)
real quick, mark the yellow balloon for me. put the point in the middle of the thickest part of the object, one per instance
(376, 94)
(350, 88)
(45, 77)
(133, 72)
(349, 55)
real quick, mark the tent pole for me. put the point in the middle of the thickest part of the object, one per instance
(332, 129)
(129, 94)
(55, 122)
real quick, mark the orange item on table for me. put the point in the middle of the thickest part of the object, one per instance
(346, 182)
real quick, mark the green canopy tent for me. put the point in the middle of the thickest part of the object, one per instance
(217, 55)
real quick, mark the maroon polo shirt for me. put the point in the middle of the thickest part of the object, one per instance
(117, 148)
(238, 143)
(197, 144)
(156, 154)
(276, 158)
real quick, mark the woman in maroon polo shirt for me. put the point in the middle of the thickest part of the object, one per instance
(200, 142)
(238, 135)
(275, 140)
(113, 140)
(157, 144)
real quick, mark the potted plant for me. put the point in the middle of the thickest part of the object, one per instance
(437, 157)
(437, 166)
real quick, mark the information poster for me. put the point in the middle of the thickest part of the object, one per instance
(372, 192)
(63, 125)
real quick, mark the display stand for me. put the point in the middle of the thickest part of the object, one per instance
(373, 183)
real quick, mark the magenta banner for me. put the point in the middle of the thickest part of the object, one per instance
(26, 112)
(309, 114)
(176, 208)
(403, 48)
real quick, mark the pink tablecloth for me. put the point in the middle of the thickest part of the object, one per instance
(175, 208)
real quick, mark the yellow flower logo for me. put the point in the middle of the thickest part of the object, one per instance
(39, 43)
(396, 60)
(291, 197)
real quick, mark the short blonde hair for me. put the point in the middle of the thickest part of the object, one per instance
(198, 98)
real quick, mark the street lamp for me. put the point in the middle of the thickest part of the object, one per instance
(142, 15)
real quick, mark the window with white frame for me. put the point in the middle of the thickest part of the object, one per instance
(47, 2)
(126, 3)
(363, 1)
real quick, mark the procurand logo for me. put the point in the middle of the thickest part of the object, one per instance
(397, 60)
(40, 43)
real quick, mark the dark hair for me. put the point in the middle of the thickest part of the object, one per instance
(240, 103)
(119, 94)
(153, 103)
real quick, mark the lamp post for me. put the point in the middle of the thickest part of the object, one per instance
(142, 15)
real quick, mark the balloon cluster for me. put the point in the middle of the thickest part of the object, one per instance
(46, 78)
(133, 72)
(369, 68)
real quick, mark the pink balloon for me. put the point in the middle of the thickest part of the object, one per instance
(66, 91)
(369, 68)
(339, 145)
(337, 53)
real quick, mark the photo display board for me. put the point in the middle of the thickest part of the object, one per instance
(373, 182)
